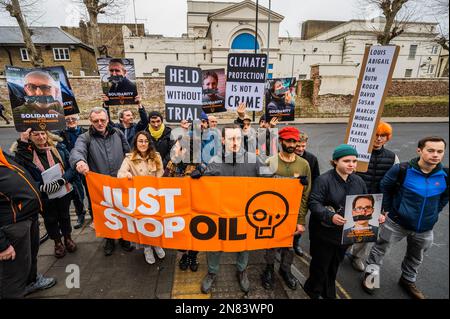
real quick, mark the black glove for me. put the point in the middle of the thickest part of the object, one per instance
(196, 174)
(53, 186)
(304, 180)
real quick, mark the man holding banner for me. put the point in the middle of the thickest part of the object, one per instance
(236, 162)
(288, 164)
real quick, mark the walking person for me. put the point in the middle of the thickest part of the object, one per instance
(143, 161)
(2, 109)
(101, 150)
(327, 205)
(381, 160)
(414, 194)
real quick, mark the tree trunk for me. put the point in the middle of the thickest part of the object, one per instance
(92, 7)
(16, 12)
(390, 10)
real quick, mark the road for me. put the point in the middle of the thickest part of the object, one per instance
(434, 273)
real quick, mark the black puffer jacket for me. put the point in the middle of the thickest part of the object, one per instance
(19, 197)
(380, 162)
(164, 144)
(330, 189)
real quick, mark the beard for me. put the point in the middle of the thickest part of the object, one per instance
(287, 149)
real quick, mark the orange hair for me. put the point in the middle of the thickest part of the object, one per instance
(385, 128)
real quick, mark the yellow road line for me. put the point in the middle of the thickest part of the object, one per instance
(186, 284)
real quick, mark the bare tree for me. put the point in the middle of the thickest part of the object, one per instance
(398, 14)
(14, 8)
(95, 8)
(439, 11)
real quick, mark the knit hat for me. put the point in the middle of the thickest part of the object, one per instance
(155, 114)
(289, 132)
(343, 150)
(203, 116)
(384, 129)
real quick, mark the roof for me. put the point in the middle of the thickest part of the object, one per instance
(40, 35)
(250, 4)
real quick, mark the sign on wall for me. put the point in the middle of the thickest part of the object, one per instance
(367, 106)
(246, 77)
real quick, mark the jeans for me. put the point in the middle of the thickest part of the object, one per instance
(417, 243)
(214, 261)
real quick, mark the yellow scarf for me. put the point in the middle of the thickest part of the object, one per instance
(156, 134)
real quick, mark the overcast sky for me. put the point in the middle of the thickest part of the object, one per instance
(168, 17)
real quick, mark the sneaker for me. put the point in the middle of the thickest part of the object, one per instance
(267, 277)
(244, 283)
(358, 264)
(184, 262)
(109, 246)
(207, 282)
(126, 245)
(289, 279)
(367, 285)
(193, 263)
(159, 252)
(149, 257)
(80, 222)
(411, 288)
(41, 283)
(92, 225)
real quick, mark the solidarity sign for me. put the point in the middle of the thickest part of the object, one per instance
(211, 214)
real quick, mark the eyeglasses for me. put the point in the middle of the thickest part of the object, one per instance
(71, 119)
(33, 88)
(99, 121)
(365, 208)
(143, 141)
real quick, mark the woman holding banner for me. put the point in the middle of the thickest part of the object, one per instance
(38, 152)
(143, 160)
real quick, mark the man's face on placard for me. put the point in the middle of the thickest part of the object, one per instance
(362, 212)
(40, 84)
(117, 69)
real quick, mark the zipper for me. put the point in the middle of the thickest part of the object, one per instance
(423, 204)
(12, 207)
(19, 171)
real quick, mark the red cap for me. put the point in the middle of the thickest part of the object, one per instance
(289, 132)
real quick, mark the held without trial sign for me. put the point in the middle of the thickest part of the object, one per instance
(367, 106)
(183, 93)
(246, 77)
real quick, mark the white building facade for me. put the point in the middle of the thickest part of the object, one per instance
(214, 29)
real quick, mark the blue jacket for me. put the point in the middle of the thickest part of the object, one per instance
(416, 204)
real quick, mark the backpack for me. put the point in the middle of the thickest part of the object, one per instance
(402, 175)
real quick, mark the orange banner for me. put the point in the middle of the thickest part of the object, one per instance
(210, 214)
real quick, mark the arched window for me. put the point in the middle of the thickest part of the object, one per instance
(244, 41)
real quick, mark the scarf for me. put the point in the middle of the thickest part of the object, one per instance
(156, 134)
(50, 159)
(3, 160)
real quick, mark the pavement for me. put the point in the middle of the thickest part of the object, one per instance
(126, 275)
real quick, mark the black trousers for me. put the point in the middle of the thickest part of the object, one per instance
(287, 257)
(56, 217)
(77, 199)
(14, 273)
(34, 241)
(2, 116)
(323, 269)
(83, 180)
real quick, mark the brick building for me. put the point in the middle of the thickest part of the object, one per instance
(57, 48)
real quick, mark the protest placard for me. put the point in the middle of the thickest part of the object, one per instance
(246, 77)
(213, 83)
(183, 90)
(280, 99)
